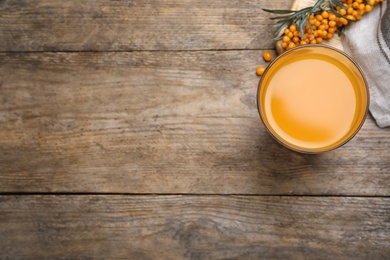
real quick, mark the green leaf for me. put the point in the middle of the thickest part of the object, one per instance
(277, 11)
(333, 3)
(314, 8)
(280, 27)
(301, 25)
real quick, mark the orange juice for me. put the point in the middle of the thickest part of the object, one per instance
(313, 98)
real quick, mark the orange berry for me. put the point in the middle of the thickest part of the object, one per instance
(368, 8)
(291, 45)
(295, 39)
(332, 30)
(260, 70)
(343, 21)
(361, 12)
(325, 14)
(286, 39)
(332, 24)
(267, 56)
(343, 11)
(293, 28)
(332, 17)
(319, 17)
(284, 45)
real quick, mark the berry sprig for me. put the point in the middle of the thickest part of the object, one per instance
(319, 22)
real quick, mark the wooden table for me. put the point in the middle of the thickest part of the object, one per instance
(129, 130)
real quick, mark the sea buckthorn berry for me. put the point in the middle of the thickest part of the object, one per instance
(286, 39)
(368, 8)
(260, 70)
(293, 28)
(332, 24)
(350, 17)
(313, 41)
(332, 17)
(317, 23)
(325, 14)
(330, 35)
(343, 21)
(349, 10)
(291, 45)
(295, 39)
(319, 17)
(362, 6)
(286, 31)
(343, 11)
(290, 34)
(332, 30)
(355, 5)
(284, 45)
(303, 42)
(318, 39)
(267, 56)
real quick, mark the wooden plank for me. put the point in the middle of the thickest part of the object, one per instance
(193, 227)
(107, 25)
(161, 122)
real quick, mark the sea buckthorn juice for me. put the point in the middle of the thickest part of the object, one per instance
(313, 98)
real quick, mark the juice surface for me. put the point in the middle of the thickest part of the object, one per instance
(312, 102)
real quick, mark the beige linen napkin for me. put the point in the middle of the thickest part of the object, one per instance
(368, 42)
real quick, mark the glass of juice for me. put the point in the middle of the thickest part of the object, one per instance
(313, 98)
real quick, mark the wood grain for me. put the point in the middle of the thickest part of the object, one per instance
(161, 122)
(193, 227)
(104, 25)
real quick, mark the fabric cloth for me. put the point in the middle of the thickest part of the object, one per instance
(368, 43)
